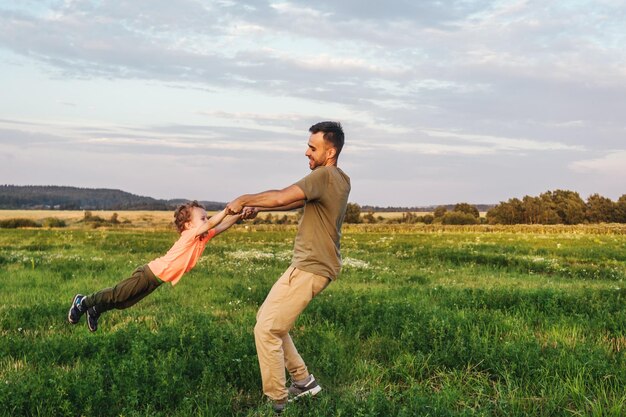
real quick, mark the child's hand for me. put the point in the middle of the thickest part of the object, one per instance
(249, 213)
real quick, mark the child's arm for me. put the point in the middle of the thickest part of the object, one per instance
(227, 223)
(211, 222)
(216, 219)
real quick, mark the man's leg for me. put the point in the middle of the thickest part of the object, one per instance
(286, 300)
(293, 361)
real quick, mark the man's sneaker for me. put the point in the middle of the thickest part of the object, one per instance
(76, 310)
(307, 387)
(279, 406)
(92, 319)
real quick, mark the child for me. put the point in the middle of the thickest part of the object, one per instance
(195, 232)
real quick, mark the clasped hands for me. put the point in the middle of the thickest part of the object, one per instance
(234, 207)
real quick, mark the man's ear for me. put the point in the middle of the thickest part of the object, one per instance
(331, 152)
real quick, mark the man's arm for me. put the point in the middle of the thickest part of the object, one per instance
(288, 198)
(295, 205)
(251, 212)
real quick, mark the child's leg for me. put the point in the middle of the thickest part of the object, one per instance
(126, 293)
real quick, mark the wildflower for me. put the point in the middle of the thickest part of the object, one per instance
(355, 263)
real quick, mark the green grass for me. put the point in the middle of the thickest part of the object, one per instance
(432, 323)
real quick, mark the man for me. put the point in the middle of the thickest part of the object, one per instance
(316, 260)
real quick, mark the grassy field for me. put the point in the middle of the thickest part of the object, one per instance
(428, 321)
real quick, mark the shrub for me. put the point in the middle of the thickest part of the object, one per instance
(457, 217)
(97, 221)
(467, 209)
(17, 223)
(53, 222)
(409, 218)
(283, 220)
(439, 212)
(369, 218)
(353, 213)
(426, 219)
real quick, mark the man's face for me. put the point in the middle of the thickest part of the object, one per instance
(318, 151)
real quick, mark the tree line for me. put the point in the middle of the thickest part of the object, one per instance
(551, 207)
(559, 207)
(50, 197)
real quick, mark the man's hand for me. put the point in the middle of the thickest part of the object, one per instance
(234, 207)
(249, 213)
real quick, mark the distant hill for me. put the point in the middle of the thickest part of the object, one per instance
(31, 197)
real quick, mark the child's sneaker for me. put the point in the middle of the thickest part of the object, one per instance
(307, 387)
(76, 310)
(92, 319)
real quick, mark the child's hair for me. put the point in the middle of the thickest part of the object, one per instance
(183, 214)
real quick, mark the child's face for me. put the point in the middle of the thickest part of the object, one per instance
(198, 218)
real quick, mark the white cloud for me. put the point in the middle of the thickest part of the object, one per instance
(439, 149)
(293, 10)
(612, 164)
(506, 144)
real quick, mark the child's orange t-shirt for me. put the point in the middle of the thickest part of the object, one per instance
(182, 257)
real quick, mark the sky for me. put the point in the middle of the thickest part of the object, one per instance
(441, 101)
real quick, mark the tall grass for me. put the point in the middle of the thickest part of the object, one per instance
(421, 322)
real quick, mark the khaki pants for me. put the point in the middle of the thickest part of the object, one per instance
(286, 300)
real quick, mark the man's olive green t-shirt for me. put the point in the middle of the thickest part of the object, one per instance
(317, 245)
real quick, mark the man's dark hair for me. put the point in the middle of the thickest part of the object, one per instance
(333, 133)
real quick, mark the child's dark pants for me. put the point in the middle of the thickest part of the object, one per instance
(126, 293)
